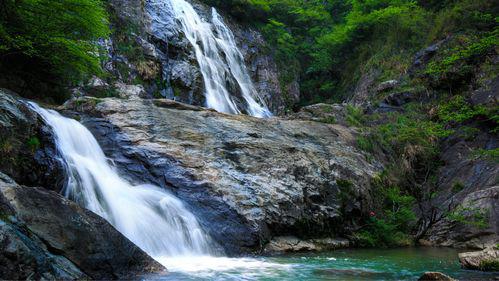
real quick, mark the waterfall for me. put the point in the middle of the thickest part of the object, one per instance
(150, 217)
(220, 61)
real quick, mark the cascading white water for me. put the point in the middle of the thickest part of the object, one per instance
(220, 61)
(152, 218)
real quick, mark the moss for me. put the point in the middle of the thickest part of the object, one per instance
(487, 154)
(355, 116)
(457, 187)
(489, 265)
(475, 217)
(33, 143)
(328, 120)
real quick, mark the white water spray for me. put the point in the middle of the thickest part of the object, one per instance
(220, 61)
(150, 217)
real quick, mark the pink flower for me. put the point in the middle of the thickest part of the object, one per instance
(372, 214)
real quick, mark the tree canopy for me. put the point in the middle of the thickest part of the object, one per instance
(51, 41)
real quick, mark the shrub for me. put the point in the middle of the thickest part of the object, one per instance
(390, 227)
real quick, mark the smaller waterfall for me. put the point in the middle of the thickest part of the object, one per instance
(151, 217)
(220, 61)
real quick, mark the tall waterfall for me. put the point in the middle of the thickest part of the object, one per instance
(220, 61)
(152, 218)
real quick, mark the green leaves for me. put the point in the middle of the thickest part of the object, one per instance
(60, 35)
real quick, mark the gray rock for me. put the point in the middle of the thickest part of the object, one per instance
(247, 179)
(387, 85)
(322, 112)
(436, 276)
(130, 91)
(467, 186)
(286, 244)
(53, 238)
(479, 260)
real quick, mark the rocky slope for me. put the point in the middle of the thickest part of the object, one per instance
(246, 179)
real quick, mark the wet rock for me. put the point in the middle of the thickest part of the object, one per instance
(52, 237)
(486, 260)
(437, 276)
(401, 98)
(246, 179)
(27, 145)
(286, 244)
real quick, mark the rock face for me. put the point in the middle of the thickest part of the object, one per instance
(66, 242)
(180, 68)
(246, 179)
(26, 145)
(469, 191)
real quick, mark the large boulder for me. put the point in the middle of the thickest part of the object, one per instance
(247, 179)
(486, 260)
(45, 236)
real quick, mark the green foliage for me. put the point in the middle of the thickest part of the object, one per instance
(475, 217)
(411, 130)
(458, 62)
(334, 43)
(489, 265)
(488, 154)
(355, 116)
(52, 40)
(458, 110)
(33, 143)
(390, 227)
(457, 187)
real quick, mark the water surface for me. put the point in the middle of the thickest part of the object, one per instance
(345, 265)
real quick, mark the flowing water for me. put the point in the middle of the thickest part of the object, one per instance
(340, 265)
(220, 61)
(160, 224)
(151, 217)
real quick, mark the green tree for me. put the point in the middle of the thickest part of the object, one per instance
(51, 41)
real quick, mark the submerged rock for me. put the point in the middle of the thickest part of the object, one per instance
(436, 276)
(486, 260)
(45, 236)
(246, 179)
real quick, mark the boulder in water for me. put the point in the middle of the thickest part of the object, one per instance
(486, 260)
(435, 276)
